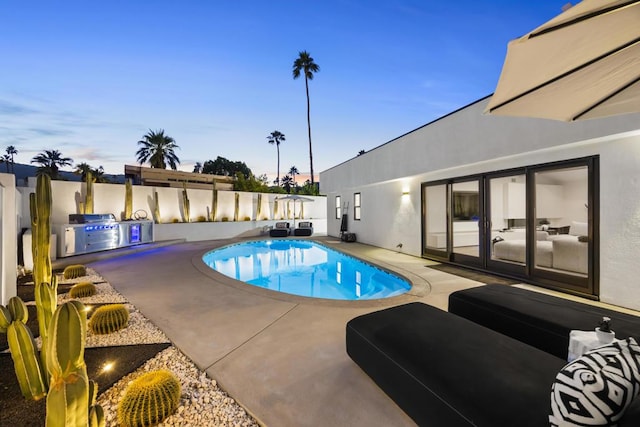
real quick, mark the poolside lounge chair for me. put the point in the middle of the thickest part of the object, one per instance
(281, 229)
(304, 228)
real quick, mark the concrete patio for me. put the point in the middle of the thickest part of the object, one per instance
(280, 356)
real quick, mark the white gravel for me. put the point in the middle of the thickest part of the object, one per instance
(202, 402)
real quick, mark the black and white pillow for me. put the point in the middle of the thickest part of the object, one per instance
(596, 388)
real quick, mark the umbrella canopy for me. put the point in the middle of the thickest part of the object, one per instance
(295, 198)
(583, 64)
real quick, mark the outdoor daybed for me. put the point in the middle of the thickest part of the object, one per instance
(445, 370)
(304, 228)
(281, 229)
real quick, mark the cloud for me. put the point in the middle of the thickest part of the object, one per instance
(49, 132)
(12, 109)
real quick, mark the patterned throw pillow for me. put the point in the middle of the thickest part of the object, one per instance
(596, 388)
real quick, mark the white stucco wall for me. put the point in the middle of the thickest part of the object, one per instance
(109, 198)
(8, 233)
(468, 142)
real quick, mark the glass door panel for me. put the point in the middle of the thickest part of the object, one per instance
(466, 218)
(562, 221)
(508, 220)
(435, 229)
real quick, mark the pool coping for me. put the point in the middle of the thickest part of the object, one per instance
(420, 287)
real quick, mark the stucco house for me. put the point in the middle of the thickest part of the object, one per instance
(550, 203)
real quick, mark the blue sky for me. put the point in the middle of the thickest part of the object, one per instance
(91, 78)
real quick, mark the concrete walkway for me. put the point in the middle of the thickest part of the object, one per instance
(280, 356)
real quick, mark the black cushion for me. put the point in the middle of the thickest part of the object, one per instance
(303, 231)
(444, 370)
(541, 320)
(279, 232)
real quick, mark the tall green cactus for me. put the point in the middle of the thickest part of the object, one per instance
(46, 287)
(259, 207)
(96, 413)
(236, 211)
(88, 202)
(186, 206)
(128, 200)
(156, 208)
(68, 398)
(214, 202)
(26, 363)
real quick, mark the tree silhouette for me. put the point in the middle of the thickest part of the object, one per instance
(304, 65)
(50, 162)
(158, 149)
(276, 138)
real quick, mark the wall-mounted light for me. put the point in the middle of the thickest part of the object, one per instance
(405, 193)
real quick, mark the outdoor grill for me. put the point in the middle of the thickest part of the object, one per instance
(99, 232)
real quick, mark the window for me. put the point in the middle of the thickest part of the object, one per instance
(338, 208)
(356, 206)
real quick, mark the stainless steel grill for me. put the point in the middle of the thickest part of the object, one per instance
(98, 232)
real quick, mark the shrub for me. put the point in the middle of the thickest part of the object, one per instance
(149, 399)
(109, 318)
(202, 218)
(225, 219)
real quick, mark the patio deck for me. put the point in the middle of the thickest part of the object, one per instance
(280, 356)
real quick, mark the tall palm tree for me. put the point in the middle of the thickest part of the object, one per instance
(11, 151)
(276, 138)
(293, 172)
(50, 162)
(304, 65)
(158, 149)
(83, 169)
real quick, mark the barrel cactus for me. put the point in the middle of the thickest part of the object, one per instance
(149, 399)
(109, 318)
(74, 271)
(82, 290)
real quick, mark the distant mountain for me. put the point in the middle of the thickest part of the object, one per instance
(22, 172)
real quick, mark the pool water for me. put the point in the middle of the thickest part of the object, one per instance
(305, 268)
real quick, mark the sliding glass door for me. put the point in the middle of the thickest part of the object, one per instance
(538, 223)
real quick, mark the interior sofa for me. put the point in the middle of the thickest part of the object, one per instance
(444, 369)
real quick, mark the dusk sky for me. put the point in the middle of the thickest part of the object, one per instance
(91, 78)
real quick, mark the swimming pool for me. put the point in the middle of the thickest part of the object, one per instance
(305, 268)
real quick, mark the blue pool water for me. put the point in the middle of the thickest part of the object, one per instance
(306, 268)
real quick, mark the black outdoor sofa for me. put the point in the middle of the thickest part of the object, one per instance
(444, 369)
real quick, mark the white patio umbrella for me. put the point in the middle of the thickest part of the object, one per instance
(294, 198)
(583, 64)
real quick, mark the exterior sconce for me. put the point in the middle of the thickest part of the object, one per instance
(405, 193)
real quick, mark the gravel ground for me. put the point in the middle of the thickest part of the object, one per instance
(202, 402)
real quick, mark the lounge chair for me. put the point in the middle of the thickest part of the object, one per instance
(304, 228)
(281, 229)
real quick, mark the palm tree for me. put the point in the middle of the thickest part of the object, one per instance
(83, 169)
(158, 149)
(276, 138)
(287, 183)
(50, 162)
(304, 64)
(11, 151)
(293, 172)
